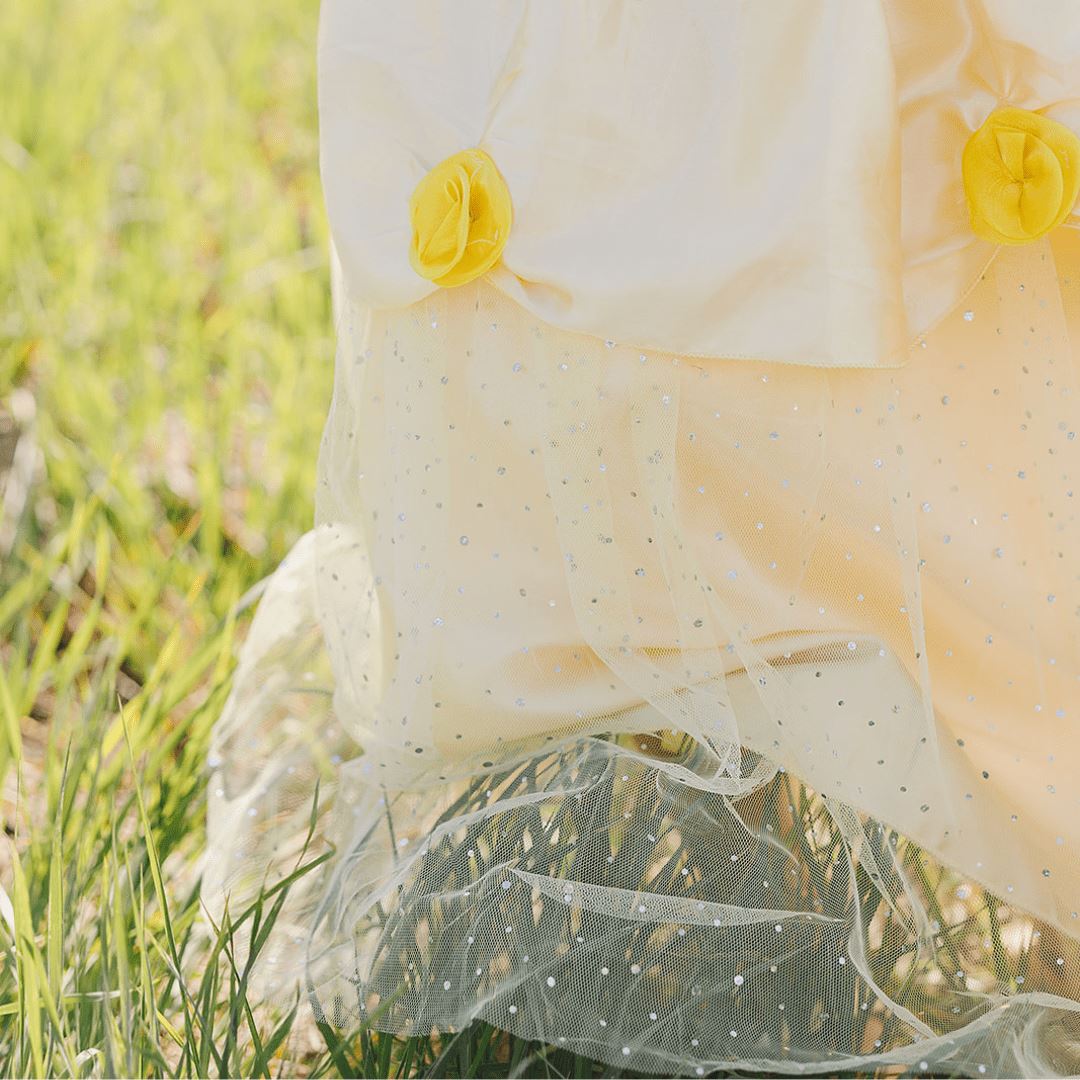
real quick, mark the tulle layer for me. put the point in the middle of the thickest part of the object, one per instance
(680, 712)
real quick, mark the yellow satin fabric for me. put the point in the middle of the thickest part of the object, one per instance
(777, 181)
(461, 216)
(1021, 176)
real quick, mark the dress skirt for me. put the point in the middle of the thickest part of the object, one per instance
(683, 712)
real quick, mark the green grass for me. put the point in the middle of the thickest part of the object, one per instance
(165, 369)
(165, 366)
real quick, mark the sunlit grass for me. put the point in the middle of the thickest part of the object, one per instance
(165, 366)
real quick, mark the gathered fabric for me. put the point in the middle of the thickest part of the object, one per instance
(777, 181)
(461, 214)
(1021, 176)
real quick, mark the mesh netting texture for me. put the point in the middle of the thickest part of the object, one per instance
(684, 713)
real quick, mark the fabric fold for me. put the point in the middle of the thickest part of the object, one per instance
(794, 194)
(581, 624)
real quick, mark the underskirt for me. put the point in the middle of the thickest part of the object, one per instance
(685, 713)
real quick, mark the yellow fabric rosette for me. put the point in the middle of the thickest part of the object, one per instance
(461, 215)
(1021, 175)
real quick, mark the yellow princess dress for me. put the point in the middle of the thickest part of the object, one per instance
(684, 666)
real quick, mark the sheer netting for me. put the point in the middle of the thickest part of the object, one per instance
(684, 713)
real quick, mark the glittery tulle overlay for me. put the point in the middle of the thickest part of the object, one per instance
(680, 712)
